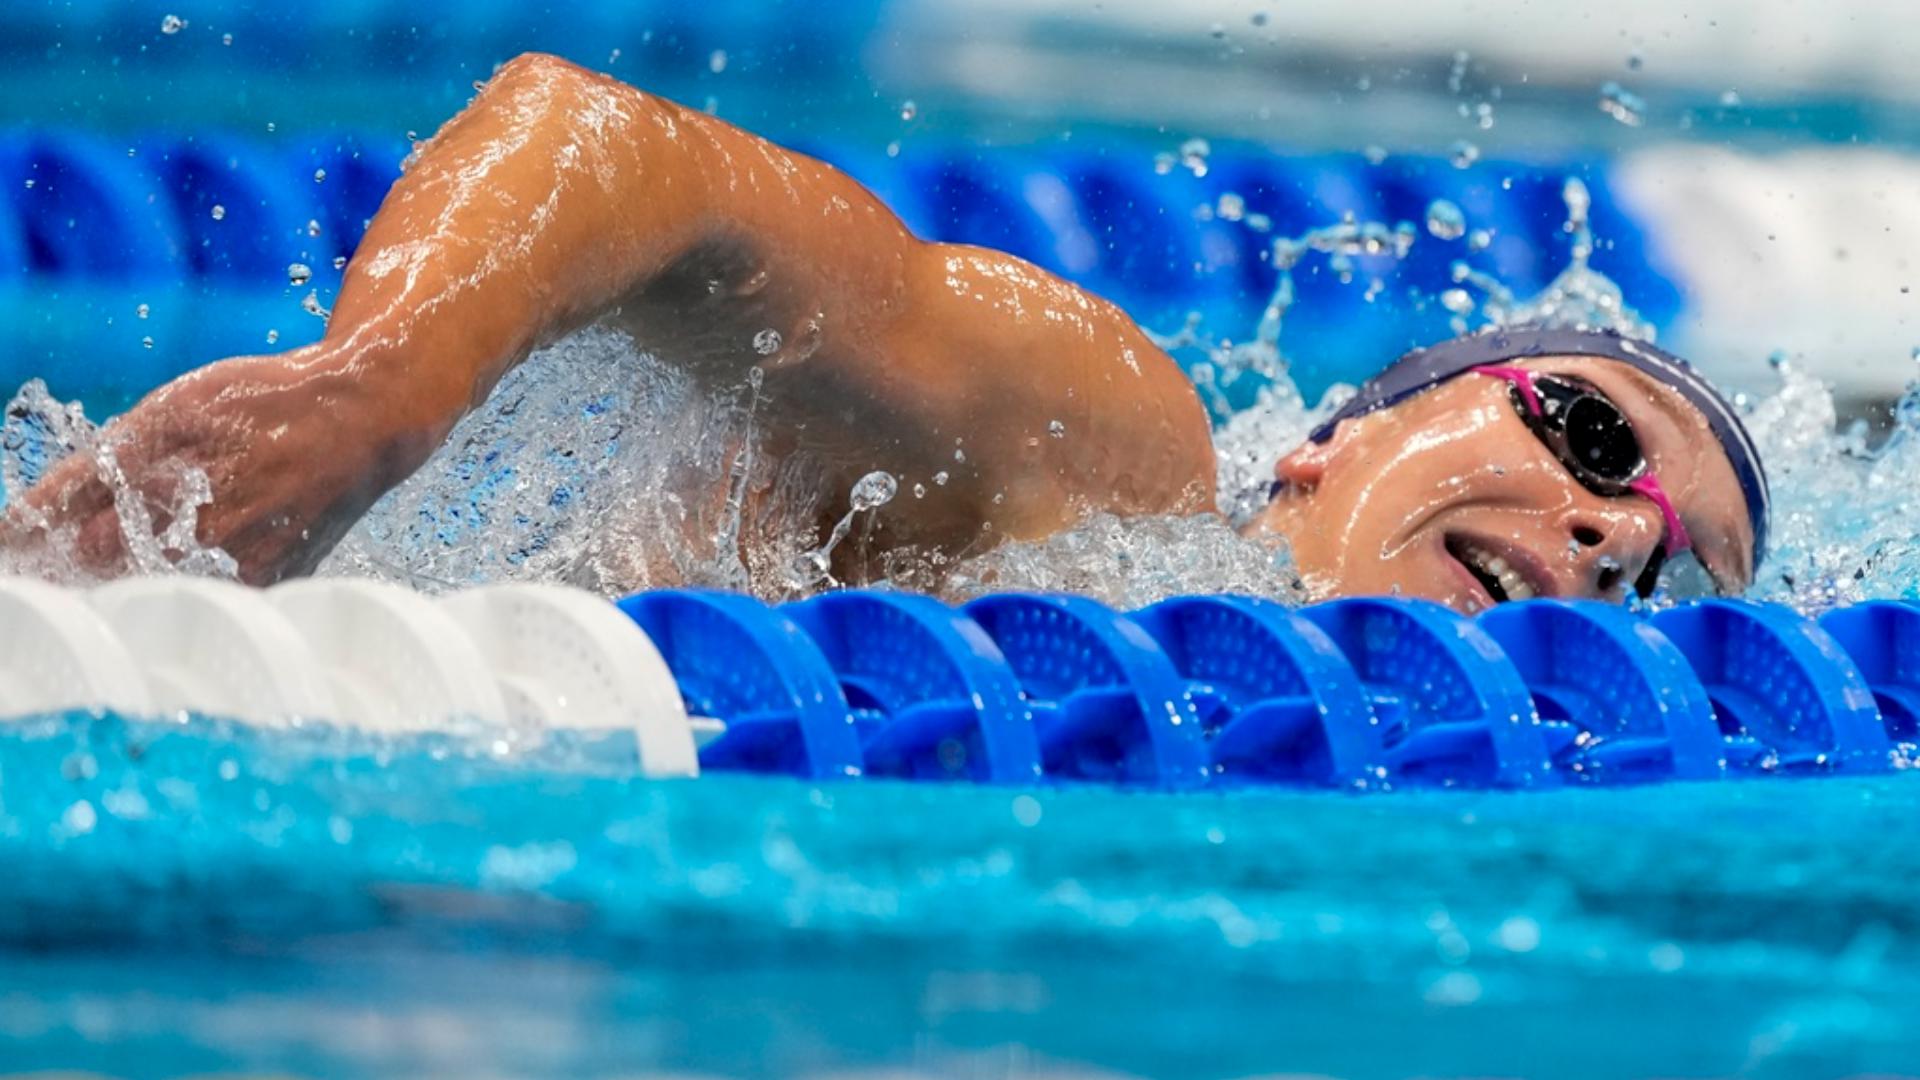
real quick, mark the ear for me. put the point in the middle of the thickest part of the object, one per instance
(1302, 469)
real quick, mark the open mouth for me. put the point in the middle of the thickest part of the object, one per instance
(1502, 580)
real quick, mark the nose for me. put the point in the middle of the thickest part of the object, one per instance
(1611, 544)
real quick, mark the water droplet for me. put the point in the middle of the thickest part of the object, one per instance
(717, 61)
(146, 343)
(908, 110)
(319, 176)
(1621, 104)
(81, 817)
(1259, 18)
(1193, 155)
(172, 24)
(1445, 220)
(313, 227)
(1057, 429)
(273, 336)
(1463, 154)
(872, 491)
(141, 311)
(299, 274)
(219, 213)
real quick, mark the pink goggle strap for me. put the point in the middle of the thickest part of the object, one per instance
(1677, 538)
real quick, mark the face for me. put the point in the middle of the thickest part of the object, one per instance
(1449, 495)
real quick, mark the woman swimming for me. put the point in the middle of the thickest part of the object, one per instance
(1567, 465)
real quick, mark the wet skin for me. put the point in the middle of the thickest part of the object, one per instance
(561, 198)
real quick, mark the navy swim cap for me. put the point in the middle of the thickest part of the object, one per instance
(1423, 369)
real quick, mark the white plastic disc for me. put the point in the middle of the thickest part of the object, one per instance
(57, 653)
(569, 659)
(216, 648)
(395, 661)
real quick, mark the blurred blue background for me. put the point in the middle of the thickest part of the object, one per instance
(1736, 204)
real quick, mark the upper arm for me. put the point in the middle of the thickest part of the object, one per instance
(1059, 401)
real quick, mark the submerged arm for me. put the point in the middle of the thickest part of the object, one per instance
(561, 197)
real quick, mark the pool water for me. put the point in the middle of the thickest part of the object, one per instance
(185, 897)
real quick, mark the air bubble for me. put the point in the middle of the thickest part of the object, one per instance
(273, 336)
(1621, 104)
(313, 227)
(1193, 156)
(1730, 99)
(319, 176)
(1463, 154)
(339, 262)
(226, 39)
(908, 110)
(299, 274)
(172, 24)
(872, 491)
(141, 311)
(1057, 429)
(717, 61)
(218, 213)
(1445, 220)
(766, 342)
(940, 478)
(146, 343)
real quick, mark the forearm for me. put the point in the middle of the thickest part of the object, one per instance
(531, 212)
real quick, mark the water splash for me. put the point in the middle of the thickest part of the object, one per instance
(595, 465)
(39, 431)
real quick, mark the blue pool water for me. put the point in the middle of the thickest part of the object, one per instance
(184, 898)
(187, 897)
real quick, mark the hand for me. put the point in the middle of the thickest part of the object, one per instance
(290, 448)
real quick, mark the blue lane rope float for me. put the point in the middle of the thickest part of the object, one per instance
(1780, 685)
(1639, 711)
(1108, 704)
(753, 668)
(1241, 691)
(1883, 638)
(1275, 696)
(1452, 708)
(931, 693)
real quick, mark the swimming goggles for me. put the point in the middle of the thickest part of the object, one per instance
(1594, 440)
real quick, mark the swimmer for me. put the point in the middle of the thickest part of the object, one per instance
(1491, 468)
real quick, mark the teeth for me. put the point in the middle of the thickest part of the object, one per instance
(1495, 567)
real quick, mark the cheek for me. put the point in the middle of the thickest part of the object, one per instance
(1466, 459)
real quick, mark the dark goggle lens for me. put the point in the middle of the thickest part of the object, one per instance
(1600, 439)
